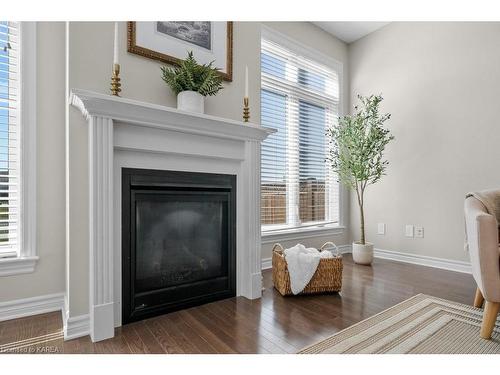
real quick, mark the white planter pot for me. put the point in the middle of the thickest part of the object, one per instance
(191, 101)
(362, 254)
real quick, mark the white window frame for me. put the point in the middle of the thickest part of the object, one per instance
(27, 257)
(274, 233)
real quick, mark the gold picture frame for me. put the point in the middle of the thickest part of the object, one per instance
(132, 47)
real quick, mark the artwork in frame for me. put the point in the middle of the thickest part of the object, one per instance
(170, 42)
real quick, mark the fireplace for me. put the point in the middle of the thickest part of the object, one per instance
(125, 133)
(178, 240)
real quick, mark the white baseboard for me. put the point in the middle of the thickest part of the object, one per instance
(31, 306)
(76, 326)
(267, 263)
(421, 260)
(345, 249)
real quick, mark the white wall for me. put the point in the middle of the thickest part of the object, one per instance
(441, 84)
(49, 272)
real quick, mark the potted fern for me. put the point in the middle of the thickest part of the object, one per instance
(191, 82)
(357, 145)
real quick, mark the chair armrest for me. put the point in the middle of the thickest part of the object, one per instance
(482, 235)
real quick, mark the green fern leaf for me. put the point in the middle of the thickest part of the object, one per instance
(189, 75)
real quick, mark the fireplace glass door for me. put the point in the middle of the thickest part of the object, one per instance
(179, 247)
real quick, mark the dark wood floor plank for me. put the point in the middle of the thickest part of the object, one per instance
(163, 337)
(249, 327)
(264, 329)
(272, 324)
(235, 333)
(282, 330)
(152, 345)
(217, 342)
(134, 340)
(175, 330)
(115, 345)
(188, 335)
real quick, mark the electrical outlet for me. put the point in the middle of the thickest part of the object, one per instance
(409, 231)
(381, 228)
(419, 232)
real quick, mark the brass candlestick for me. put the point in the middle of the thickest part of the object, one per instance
(115, 81)
(246, 109)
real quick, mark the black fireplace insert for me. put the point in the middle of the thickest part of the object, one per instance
(178, 240)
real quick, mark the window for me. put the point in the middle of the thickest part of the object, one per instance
(300, 99)
(9, 140)
(17, 147)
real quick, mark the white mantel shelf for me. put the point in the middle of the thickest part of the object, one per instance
(157, 116)
(124, 133)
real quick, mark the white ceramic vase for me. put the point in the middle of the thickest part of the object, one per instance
(191, 101)
(362, 254)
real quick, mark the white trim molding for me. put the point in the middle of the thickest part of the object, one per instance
(101, 227)
(27, 257)
(157, 116)
(421, 260)
(345, 249)
(267, 263)
(300, 233)
(76, 326)
(31, 306)
(17, 265)
(156, 136)
(28, 139)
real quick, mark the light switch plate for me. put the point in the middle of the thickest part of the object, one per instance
(381, 228)
(419, 232)
(409, 231)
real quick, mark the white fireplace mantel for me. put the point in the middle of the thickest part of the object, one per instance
(152, 132)
(93, 104)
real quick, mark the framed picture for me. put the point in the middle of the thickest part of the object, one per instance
(170, 41)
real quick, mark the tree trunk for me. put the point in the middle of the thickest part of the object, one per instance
(362, 219)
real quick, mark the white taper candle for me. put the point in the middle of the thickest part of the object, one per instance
(246, 81)
(115, 56)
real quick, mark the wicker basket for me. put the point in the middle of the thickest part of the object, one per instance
(327, 278)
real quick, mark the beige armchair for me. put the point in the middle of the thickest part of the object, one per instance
(484, 251)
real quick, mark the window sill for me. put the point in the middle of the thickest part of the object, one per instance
(300, 233)
(18, 265)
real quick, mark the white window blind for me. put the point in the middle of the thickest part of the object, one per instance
(9, 138)
(300, 99)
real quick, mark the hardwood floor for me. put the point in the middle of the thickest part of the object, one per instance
(273, 324)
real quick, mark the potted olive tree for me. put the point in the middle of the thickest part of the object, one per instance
(191, 82)
(357, 145)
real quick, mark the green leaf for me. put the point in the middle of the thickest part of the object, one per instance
(357, 146)
(190, 75)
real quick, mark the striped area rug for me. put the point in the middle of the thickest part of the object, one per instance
(38, 344)
(422, 324)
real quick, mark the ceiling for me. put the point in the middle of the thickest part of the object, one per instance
(350, 31)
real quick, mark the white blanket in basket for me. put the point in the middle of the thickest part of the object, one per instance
(302, 263)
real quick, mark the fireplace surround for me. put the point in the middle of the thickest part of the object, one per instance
(178, 240)
(125, 133)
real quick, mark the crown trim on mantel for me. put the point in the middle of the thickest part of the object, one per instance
(157, 116)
